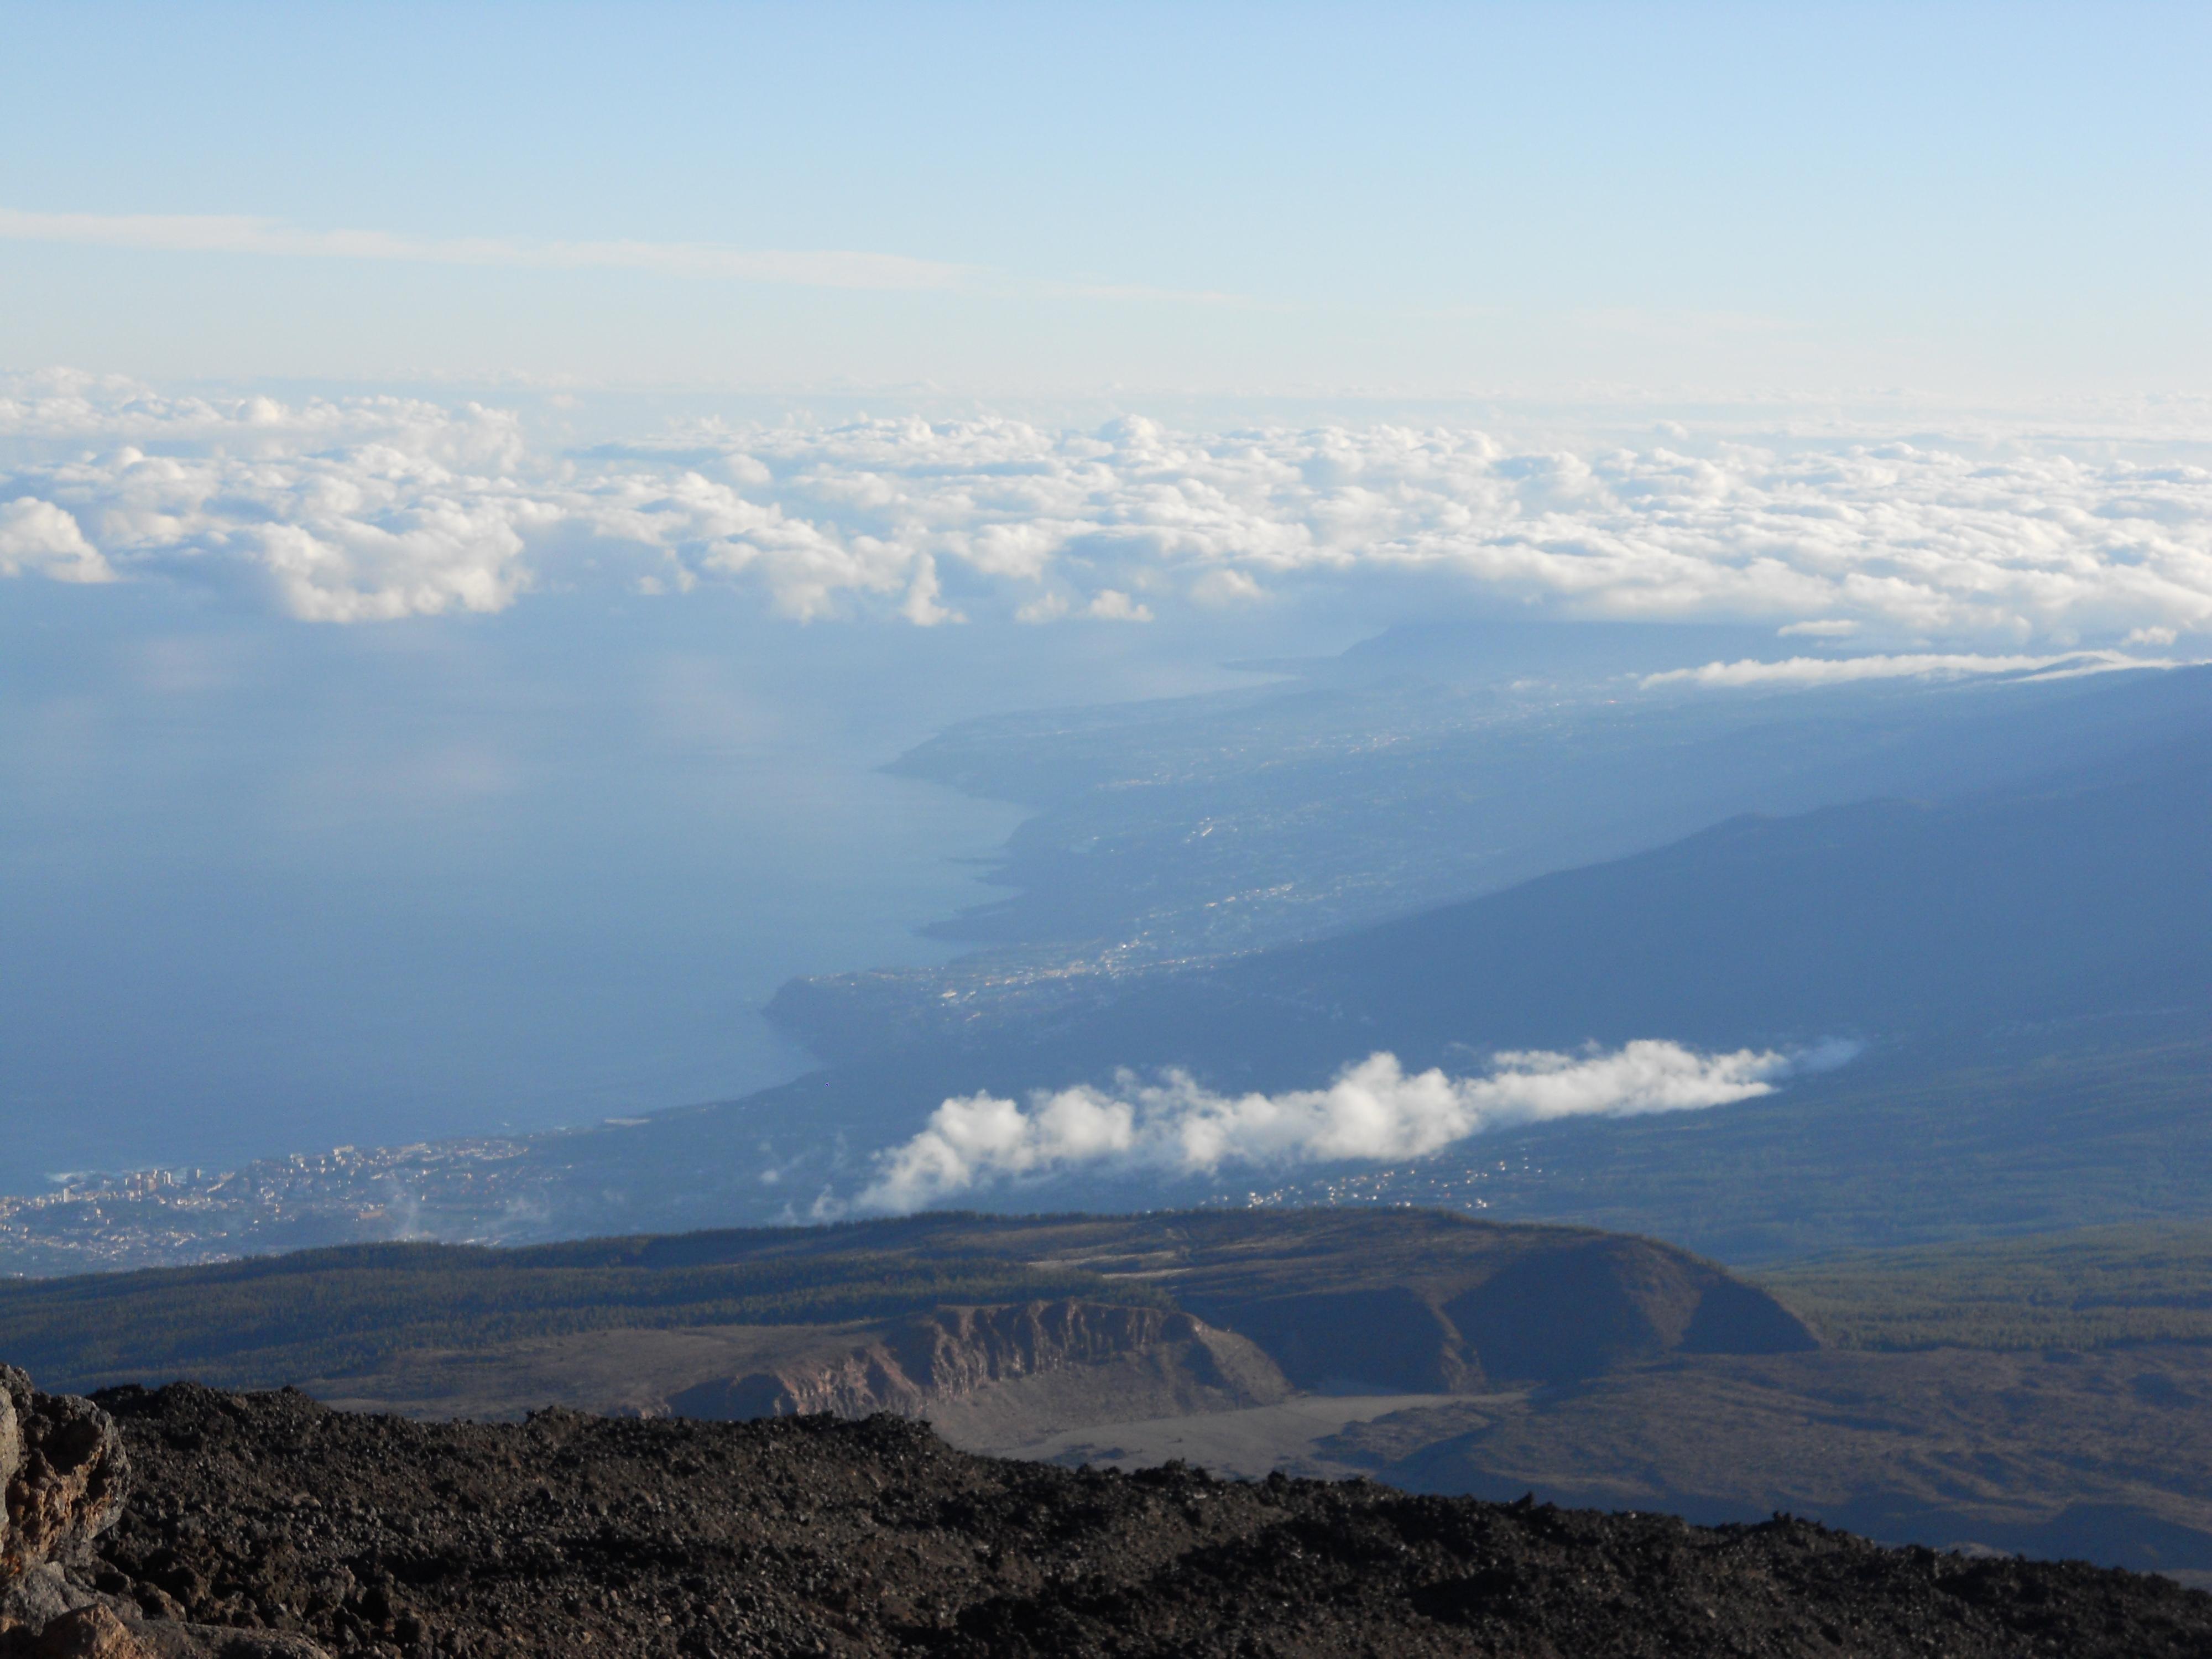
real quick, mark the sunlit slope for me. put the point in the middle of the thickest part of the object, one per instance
(2096, 1287)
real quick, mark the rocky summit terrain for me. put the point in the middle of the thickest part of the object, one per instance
(261, 1525)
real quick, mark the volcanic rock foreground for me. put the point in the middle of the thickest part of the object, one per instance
(66, 1475)
(576, 1534)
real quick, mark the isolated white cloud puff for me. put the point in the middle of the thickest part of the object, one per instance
(367, 509)
(1373, 1110)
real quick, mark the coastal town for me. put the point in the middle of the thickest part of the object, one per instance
(474, 1190)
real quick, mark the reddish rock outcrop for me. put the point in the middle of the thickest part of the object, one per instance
(67, 1475)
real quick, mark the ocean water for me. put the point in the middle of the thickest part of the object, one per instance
(268, 886)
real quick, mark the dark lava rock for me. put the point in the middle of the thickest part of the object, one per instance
(578, 1535)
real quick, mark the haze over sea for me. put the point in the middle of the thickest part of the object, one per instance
(271, 889)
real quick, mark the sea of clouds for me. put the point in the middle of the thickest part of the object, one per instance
(1372, 1111)
(361, 509)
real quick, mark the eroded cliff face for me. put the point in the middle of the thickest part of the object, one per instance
(960, 1357)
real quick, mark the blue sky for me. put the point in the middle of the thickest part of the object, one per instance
(1982, 201)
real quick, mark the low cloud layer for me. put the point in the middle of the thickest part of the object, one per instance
(362, 509)
(1372, 1111)
(1838, 671)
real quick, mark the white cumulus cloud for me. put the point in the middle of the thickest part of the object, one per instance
(357, 509)
(36, 535)
(1372, 1110)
